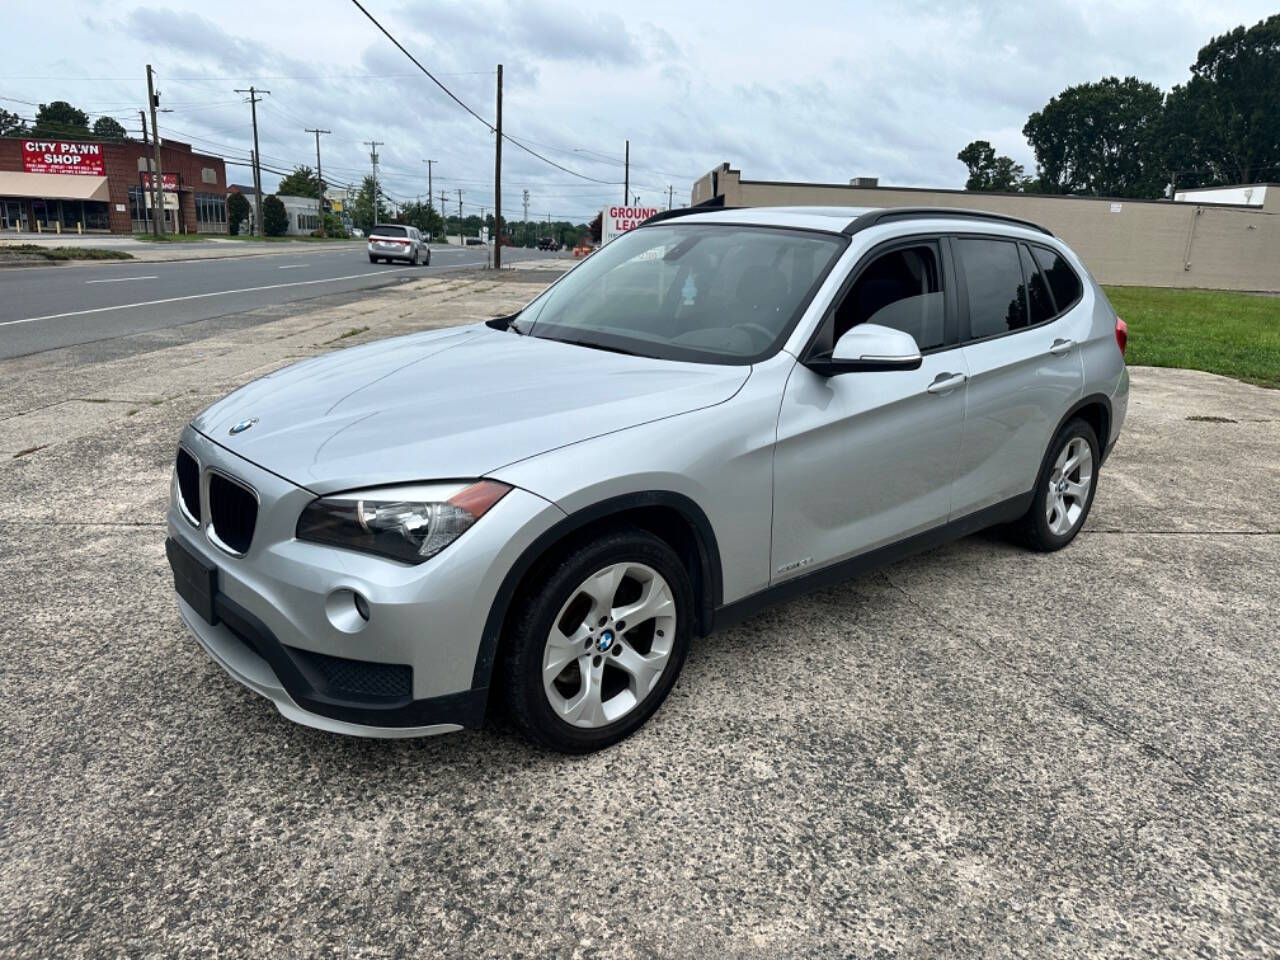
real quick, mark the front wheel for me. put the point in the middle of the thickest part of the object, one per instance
(598, 642)
(1064, 490)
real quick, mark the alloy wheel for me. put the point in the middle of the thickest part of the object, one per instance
(1069, 485)
(609, 645)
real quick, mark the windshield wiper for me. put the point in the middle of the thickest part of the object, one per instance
(596, 346)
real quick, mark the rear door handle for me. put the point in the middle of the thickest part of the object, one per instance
(944, 383)
(1061, 347)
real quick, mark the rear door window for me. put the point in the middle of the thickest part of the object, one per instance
(997, 292)
(388, 231)
(1063, 281)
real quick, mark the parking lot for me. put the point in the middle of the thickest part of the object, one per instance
(976, 752)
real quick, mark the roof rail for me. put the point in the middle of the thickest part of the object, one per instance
(875, 217)
(684, 212)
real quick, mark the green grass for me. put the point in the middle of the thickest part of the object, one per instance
(64, 253)
(1233, 334)
(170, 238)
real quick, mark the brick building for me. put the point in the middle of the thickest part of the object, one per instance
(100, 187)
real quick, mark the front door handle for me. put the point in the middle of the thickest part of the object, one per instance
(1061, 347)
(944, 383)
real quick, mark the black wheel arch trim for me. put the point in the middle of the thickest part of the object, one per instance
(1093, 399)
(704, 539)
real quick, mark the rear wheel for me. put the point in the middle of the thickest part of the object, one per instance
(414, 259)
(599, 642)
(1064, 490)
(372, 258)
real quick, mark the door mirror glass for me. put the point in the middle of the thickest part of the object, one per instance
(870, 346)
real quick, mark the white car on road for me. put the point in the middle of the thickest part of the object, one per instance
(394, 241)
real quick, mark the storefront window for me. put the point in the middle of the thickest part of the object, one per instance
(211, 213)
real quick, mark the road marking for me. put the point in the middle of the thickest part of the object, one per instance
(293, 266)
(200, 296)
(121, 279)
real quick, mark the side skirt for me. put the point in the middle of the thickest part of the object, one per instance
(1003, 512)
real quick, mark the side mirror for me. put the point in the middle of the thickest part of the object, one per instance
(869, 347)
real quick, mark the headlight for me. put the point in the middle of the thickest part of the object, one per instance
(409, 523)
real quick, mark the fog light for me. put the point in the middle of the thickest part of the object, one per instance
(346, 610)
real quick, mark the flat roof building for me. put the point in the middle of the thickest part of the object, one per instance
(96, 186)
(1160, 243)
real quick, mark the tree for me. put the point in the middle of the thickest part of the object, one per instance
(60, 119)
(275, 219)
(596, 227)
(364, 211)
(1223, 125)
(333, 226)
(237, 212)
(11, 125)
(108, 128)
(1100, 138)
(424, 217)
(988, 171)
(300, 183)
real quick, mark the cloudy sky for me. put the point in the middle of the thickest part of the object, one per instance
(818, 90)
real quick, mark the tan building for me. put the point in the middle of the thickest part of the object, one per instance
(1157, 243)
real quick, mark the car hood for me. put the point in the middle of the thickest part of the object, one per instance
(449, 404)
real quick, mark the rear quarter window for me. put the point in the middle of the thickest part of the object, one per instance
(1064, 283)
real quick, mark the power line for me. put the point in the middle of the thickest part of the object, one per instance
(454, 97)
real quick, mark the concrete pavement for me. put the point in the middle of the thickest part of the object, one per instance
(977, 752)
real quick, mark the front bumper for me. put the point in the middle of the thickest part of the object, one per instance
(409, 670)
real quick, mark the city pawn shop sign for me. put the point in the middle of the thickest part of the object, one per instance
(616, 220)
(61, 156)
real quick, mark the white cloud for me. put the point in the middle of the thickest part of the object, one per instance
(824, 90)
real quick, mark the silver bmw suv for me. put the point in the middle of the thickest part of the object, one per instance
(718, 410)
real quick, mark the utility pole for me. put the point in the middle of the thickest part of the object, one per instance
(497, 183)
(373, 159)
(461, 242)
(626, 176)
(319, 179)
(430, 233)
(670, 191)
(257, 156)
(157, 179)
(525, 221)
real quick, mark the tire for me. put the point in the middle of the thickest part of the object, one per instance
(427, 262)
(629, 667)
(372, 258)
(1060, 504)
(413, 261)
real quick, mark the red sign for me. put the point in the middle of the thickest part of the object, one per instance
(616, 220)
(62, 156)
(169, 181)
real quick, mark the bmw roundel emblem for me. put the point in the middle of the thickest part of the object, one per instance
(605, 641)
(242, 426)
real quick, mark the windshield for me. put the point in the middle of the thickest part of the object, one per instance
(709, 293)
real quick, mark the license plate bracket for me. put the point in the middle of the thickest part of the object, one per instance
(194, 578)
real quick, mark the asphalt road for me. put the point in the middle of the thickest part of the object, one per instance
(43, 308)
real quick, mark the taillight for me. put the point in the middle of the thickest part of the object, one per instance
(1122, 335)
